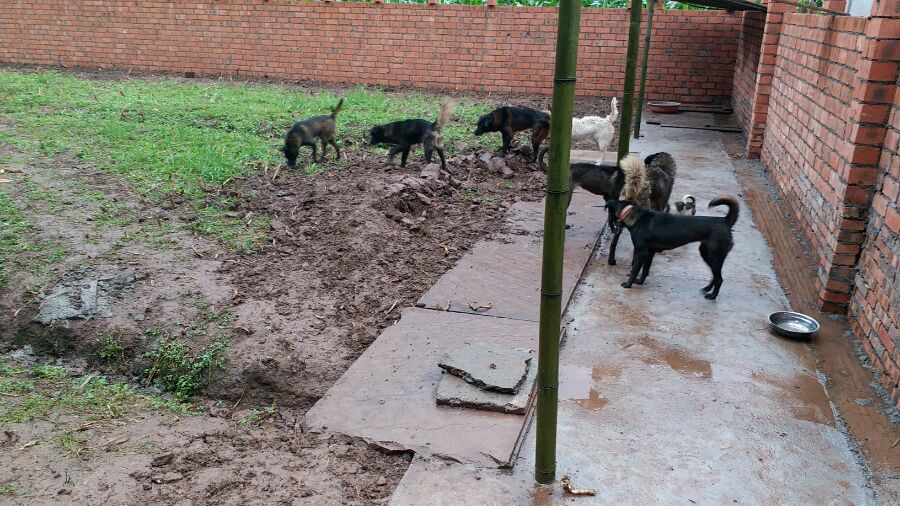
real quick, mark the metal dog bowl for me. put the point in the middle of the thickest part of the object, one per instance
(665, 107)
(794, 325)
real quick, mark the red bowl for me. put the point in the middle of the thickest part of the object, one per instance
(665, 107)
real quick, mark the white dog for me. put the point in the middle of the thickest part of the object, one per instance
(600, 129)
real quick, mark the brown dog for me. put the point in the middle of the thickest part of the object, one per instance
(305, 133)
(509, 120)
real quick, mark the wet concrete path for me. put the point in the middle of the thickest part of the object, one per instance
(667, 398)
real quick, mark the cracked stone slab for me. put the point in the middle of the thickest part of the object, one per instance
(454, 391)
(489, 367)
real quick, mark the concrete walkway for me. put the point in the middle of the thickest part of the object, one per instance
(667, 398)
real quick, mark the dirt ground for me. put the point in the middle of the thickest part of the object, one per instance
(346, 250)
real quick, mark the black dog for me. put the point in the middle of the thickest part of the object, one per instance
(652, 232)
(509, 120)
(407, 133)
(649, 183)
(305, 133)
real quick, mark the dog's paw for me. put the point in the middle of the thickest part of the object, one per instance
(568, 226)
(709, 296)
(626, 285)
(706, 288)
(612, 261)
(639, 281)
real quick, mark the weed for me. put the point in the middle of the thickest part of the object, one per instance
(111, 347)
(8, 489)
(178, 372)
(258, 416)
(8, 386)
(48, 371)
(13, 228)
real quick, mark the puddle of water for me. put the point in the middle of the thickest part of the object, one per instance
(806, 397)
(578, 384)
(676, 359)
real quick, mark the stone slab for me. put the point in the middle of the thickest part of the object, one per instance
(387, 397)
(453, 391)
(488, 367)
(505, 272)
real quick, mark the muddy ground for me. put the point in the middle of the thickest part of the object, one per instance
(345, 251)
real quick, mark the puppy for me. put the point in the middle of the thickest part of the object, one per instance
(305, 133)
(407, 133)
(648, 182)
(509, 120)
(600, 129)
(652, 232)
(687, 205)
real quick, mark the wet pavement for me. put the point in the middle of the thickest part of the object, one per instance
(668, 398)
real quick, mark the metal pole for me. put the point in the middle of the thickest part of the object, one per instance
(634, 33)
(640, 100)
(554, 239)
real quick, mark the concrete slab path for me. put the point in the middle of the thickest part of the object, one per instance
(667, 398)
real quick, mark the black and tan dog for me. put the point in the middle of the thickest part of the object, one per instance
(407, 133)
(652, 232)
(509, 120)
(305, 133)
(648, 182)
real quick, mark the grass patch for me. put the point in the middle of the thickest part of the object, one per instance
(178, 371)
(8, 490)
(38, 392)
(17, 252)
(169, 138)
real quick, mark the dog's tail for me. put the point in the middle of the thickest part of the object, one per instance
(444, 115)
(689, 199)
(733, 208)
(635, 177)
(337, 108)
(613, 111)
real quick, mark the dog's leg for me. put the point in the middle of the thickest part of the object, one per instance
(404, 155)
(313, 146)
(716, 260)
(646, 270)
(337, 150)
(393, 152)
(535, 144)
(324, 150)
(613, 244)
(507, 140)
(704, 254)
(440, 152)
(640, 257)
(428, 151)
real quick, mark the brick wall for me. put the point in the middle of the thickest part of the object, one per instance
(805, 145)
(430, 46)
(876, 301)
(745, 67)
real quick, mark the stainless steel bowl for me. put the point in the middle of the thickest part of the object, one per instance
(791, 324)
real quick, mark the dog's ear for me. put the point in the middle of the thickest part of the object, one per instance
(679, 206)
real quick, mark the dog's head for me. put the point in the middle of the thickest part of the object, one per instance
(485, 124)
(291, 151)
(376, 135)
(622, 211)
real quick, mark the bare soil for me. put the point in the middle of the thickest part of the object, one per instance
(347, 249)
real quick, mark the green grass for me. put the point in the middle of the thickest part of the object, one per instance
(169, 137)
(37, 392)
(17, 252)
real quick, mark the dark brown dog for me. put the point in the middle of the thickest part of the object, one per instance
(652, 232)
(305, 133)
(509, 120)
(407, 133)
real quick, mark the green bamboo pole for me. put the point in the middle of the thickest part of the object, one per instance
(640, 100)
(634, 34)
(554, 239)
